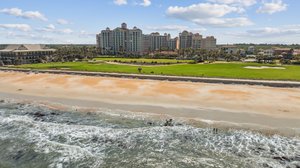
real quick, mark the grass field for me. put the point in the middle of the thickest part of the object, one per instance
(223, 70)
(143, 60)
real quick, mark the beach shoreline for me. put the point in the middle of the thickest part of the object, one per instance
(217, 105)
(209, 80)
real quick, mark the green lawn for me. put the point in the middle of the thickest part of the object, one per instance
(143, 60)
(224, 70)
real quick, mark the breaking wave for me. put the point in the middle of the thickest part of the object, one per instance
(36, 136)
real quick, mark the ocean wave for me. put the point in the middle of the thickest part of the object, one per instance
(36, 134)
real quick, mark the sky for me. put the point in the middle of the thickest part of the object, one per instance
(78, 21)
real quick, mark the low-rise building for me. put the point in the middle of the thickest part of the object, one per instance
(229, 49)
(296, 52)
(281, 51)
(24, 53)
(267, 53)
(251, 50)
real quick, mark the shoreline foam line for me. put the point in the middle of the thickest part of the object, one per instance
(202, 121)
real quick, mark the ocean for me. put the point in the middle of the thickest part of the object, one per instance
(35, 136)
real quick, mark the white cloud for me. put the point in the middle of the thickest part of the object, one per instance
(85, 34)
(146, 3)
(201, 10)
(52, 29)
(245, 3)
(120, 2)
(174, 29)
(224, 22)
(276, 31)
(167, 28)
(26, 14)
(209, 14)
(62, 22)
(48, 28)
(30, 36)
(21, 27)
(272, 7)
(66, 31)
(286, 30)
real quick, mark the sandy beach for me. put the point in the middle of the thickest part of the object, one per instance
(242, 104)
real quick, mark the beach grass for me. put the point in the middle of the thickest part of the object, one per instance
(222, 70)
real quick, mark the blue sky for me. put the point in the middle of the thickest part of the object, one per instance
(77, 21)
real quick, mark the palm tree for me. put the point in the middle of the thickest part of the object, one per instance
(140, 69)
(228, 57)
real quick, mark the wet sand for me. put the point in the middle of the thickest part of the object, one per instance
(242, 104)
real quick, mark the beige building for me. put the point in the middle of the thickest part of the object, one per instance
(24, 53)
(132, 41)
(196, 41)
(173, 44)
(157, 42)
(120, 40)
(209, 43)
(185, 40)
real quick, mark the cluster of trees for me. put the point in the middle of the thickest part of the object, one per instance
(198, 55)
(201, 55)
(71, 53)
(268, 46)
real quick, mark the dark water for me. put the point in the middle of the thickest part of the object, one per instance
(35, 136)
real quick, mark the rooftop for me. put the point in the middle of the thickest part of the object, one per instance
(26, 48)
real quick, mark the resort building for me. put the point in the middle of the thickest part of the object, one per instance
(146, 43)
(120, 40)
(158, 42)
(209, 43)
(24, 53)
(196, 41)
(132, 41)
(173, 44)
(185, 40)
(105, 41)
